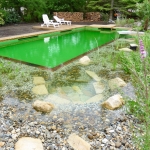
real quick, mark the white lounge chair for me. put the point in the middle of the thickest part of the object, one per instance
(48, 22)
(61, 21)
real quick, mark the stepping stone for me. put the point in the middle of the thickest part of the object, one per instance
(38, 80)
(95, 98)
(40, 90)
(93, 75)
(78, 143)
(77, 89)
(28, 143)
(56, 99)
(99, 87)
(125, 49)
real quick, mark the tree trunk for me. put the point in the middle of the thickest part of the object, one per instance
(146, 24)
(111, 11)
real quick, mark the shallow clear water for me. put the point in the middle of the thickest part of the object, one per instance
(55, 50)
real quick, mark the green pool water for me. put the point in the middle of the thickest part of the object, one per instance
(56, 49)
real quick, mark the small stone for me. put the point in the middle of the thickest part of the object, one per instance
(90, 136)
(104, 141)
(37, 132)
(53, 127)
(51, 147)
(2, 144)
(117, 144)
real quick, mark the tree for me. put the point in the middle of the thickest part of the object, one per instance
(104, 6)
(143, 11)
(33, 8)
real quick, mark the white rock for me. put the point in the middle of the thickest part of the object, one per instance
(84, 60)
(104, 141)
(27, 143)
(78, 143)
(38, 80)
(111, 131)
(116, 83)
(43, 106)
(113, 102)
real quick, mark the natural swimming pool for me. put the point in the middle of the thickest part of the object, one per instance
(51, 50)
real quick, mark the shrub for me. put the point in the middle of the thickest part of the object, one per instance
(11, 17)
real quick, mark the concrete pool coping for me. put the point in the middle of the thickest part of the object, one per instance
(52, 29)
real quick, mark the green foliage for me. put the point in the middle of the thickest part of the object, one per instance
(5, 69)
(140, 107)
(99, 5)
(1, 84)
(104, 16)
(11, 17)
(125, 22)
(65, 5)
(1, 17)
(143, 11)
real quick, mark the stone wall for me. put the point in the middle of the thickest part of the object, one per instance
(72, 16)
(94, 16)
(78, 16)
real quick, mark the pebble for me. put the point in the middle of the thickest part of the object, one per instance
(90, 136)
(53, 129)
(117, 144)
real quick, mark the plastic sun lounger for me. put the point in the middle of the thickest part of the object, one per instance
(61, 21)
(48, 22)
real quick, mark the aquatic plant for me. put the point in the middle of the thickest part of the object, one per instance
(41, 73)
(5, 68)
(137, 65)
(24, 95)
(66, 77)
(1, 97)
(11, 76)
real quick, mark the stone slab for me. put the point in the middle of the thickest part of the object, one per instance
(28, 143)
(95, 98)
(78, 143)
(93, 75)
(40, 90)
(56, 99)
(99, 87)
(38, 80)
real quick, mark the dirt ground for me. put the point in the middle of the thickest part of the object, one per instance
(17, 29)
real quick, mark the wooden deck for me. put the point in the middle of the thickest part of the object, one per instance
(52, 29)
(45, 30)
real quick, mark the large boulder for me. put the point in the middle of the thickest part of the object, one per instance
(85, 60)
(116, 83)
(28, 143)
(113, 102)
(42, 106)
